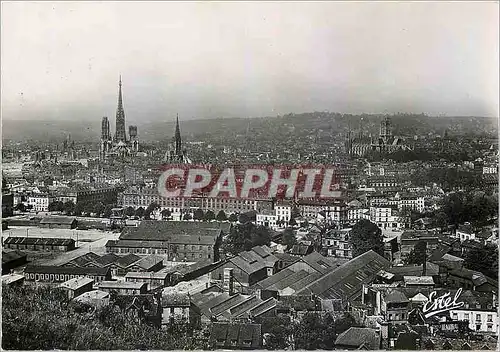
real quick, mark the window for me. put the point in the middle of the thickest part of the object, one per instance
(490, 317)
(455, 316)
(466, 316)
(478, 317)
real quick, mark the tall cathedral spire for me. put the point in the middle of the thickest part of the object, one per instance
(120, 134)
(178, 141)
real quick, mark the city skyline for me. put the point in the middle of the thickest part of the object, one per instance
(247, 60)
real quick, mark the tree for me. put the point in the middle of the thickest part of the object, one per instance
(418, 254)
(56, 206)
(440, 220)
(165, 213)
(209, 215)
(139, 212)
(365, 236)
(130, 211)
(244, 218)
(107, 211)
(187, 216)
(198, 214)
(483, 259)
(315, 331)
(221, 216)
(69, 207)
(277, 331)
(243, 237)
(233, 217)
(41, 318)
(99, 209)
(20, 207)
(150, 209)
(79, 208)
(289, 238)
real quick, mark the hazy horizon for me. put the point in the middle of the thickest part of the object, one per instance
(61, 61)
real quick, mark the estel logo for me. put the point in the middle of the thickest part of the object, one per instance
(269, 181)
(441, 304)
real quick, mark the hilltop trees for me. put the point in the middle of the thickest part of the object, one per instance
(418, 254)
(484, 260)
(221, 216)
(243, 237)
(289, 238)
(56, 206)
(365, 235)
(41, 318)
(209, 216)
(198, 214)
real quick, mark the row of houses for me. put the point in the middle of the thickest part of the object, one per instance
(176, 240)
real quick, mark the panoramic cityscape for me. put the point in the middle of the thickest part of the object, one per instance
(227, 191)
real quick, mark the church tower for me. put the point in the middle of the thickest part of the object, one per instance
(386, 130)
(120, 134)
(175, 154)
(178, 141)
(105, 144)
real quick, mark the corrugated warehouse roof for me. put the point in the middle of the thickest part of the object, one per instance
(347, 279)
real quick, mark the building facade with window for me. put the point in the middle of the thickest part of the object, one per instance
(480, 309)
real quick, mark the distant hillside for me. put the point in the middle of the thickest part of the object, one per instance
(403, 124)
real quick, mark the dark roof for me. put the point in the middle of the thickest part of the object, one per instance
(289, 280)
(175, 300)
(82, 261)
(245, 335)
(249, 262)
(11, 255)
(395, 296)
(127, 260)
(320, 263)
(227, 304)
(300, 249)
(271, 280)
(477, 300)
(299, 284)
(173, 231)
(60, 220)
(416, 235)
(41, 269)
(149, 261)
(347, 280)
(359, 337)
(263, 307)
(413, 270)
(245, 306)
(107, 259)
(287, 258)
(298, 303)
(466, 228)
(180, 240)
(39, 241)
(476, 277)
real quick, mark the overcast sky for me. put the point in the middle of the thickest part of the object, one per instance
(205, 60)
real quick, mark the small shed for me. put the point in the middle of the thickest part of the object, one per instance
(77, 286)
(58, 222)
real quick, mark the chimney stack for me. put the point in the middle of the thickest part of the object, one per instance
(229, 281)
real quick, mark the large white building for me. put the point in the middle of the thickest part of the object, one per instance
(40, 201)
(480, 309)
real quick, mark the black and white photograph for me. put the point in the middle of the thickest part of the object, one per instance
(245, 175)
